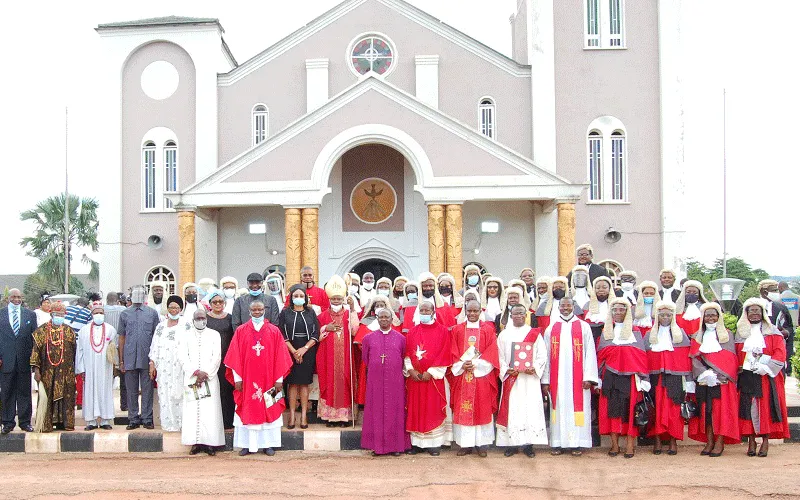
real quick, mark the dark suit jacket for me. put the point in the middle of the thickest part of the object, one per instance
(675, 294)
(785, 322)
(15, 351)
(595, 271)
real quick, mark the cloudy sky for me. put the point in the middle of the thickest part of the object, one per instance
(51, 49)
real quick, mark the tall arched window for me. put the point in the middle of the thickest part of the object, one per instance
(488, 118)
(604, 24)
(170, 169)
(607, 161)
(260, 123)
(149, 175)
(161, 273)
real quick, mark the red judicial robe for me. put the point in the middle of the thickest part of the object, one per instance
(363, 330)
(317, 297)
(474, 399)
(689, 326)
(335, 368)
(260, 358)
(626, 360)
(663, 366)
(773, 392)
(427, 346)
(725, 409)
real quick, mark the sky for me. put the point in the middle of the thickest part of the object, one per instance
(50, 49)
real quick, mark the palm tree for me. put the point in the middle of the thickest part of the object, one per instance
(47, 243)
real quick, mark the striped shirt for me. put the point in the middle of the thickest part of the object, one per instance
(77, 317)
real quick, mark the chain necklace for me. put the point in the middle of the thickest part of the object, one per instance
(98, 348)
(57, 341)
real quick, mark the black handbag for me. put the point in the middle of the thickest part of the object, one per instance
(644, 412)
(689, 409)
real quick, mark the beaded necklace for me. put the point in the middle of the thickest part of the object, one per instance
(98, 348)
(57, 341)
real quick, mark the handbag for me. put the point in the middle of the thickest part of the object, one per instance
(644, 412)
(689, 409)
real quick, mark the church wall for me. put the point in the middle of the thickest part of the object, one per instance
(625, 84)
(463, 79)
(504, 253)
(519, 33)
(140, 113)
(241, 253)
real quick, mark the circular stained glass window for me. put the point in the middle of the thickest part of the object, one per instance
(372, 53)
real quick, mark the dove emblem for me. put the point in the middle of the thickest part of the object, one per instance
(420, 353)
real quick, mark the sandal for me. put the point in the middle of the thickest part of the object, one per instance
(556, 452)
(612, 453)
(577, 453)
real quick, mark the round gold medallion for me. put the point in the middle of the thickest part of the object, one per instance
(373, 200)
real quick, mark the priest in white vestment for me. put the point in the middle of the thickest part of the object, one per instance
(200, 353)
(570, 376)
(521, 419)
(95, 354)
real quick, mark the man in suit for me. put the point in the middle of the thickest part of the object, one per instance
(669, 292)
(17, 325)
(585, 254)
(779, 315)
(241, 307)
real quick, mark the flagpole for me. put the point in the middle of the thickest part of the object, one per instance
(66, 199)
(724, 185)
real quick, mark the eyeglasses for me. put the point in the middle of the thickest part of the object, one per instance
(217, 301)
(492, 286)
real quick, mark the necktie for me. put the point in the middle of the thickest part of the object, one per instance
(15, 320)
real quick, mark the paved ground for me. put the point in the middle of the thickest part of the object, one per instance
(349, 474)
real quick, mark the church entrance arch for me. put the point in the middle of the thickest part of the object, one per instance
(379, 267)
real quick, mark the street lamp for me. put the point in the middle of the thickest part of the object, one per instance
(727, 290)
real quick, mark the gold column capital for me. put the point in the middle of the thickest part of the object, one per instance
(436, 242)
(310, 230)
(294, 245)
(566, 237)
(453, 236)
(186, 248)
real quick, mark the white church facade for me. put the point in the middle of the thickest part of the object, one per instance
(378, 135)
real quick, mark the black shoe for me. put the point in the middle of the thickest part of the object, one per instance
(244, 452)
(435, 452)
(149, 426)
(106, 427)
(413, 451)
(528, 451)
(7, 429)
(27, 428)
(195, 450)
(123, 408)
(269, 452)
(331, 424)
(131, 427)
(396, 454)
(510, 452)
(90, 427)
(210, 451)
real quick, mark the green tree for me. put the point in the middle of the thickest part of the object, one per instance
(48, 243)
(737, 268)
(37, 284)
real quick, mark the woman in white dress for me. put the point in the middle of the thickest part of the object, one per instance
(165, 368)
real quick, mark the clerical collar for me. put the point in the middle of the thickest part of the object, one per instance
(568, 318)
(386, 332)
(470, 324)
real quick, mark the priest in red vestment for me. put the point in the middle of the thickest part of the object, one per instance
(762, 395)
(428, 355)
(715, 369)
(473, 393)
(335, 369)
(622, 364)
(317, 298)
(257, 361)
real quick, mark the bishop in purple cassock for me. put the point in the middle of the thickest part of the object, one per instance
(384, 429)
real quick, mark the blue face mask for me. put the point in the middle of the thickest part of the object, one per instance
(255, 293)
(174, 317)
(412, 296)
(258, 320)
(298, 301)
(472, 280)
(649, 300)
(58, 320)
(425, 318)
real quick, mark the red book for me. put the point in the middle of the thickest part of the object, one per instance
(523, 355)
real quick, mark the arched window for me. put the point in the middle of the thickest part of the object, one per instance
(149, 175)
(488, 118)
(170, 169)
(161, 273)
(260, 123)
(607, 161)
(604, 24)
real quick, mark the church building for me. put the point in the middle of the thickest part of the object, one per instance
(378, 137)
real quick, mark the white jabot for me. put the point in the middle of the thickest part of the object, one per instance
(664, 340)
(374, 325)
(448, 300)
(492, 308)
(581, 297)
(667, 295)
(602, 313)
(618, 340)
(630, 296)
(710, 341)
(755, 342)
(691, 312)
(769, 307)
(647, 320)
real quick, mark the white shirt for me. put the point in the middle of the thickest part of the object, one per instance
(668, 295)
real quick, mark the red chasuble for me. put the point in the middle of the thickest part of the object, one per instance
(427, 346)
(260, 358)
(576, 341)
(444, 316)
(508, 384)
(776, 348)
(334, 366)
(317, 297)
(474, 399)
(725, 410)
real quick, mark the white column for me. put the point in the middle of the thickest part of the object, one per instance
(428, 80)
(546, 239)
(316, 83)
(205, 235)
(673, 189)
(541, 55)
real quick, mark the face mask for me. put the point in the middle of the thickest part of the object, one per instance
(200, 324)
(627, 286)
(191, 298)
(298, 301)
(558, 294)
(336, 309)
(255, 293)
(649, 300)
(427, 293)
(472, 280)
(579, 280)
(445, 290)
(58, 320)
(353, 289)
(774, 296)
(174, 316)
(384, 293)
(99, 319)
(426, 318)
(258, 320)
(691, 298)
(229, 293)
(368, 286)
(412, 296)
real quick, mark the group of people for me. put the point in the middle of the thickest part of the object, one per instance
(491, 363)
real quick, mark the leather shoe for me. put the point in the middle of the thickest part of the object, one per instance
(106, 427)
(27, 428)
(269, 452)
(6, 429)
(131, 427)
(149, 426)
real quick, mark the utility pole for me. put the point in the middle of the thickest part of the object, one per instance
(66, 200)
(724, 186)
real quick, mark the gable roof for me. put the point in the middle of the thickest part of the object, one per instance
(400, 6)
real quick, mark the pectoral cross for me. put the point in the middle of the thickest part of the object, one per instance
(258, 347)
(383, 358)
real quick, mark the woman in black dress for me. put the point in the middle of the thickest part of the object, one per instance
(300, 329)
(220, 321)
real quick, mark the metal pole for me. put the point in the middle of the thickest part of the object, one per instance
(724, 186)
(66, 200)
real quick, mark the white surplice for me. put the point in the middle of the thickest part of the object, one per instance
(98, 380)
(526, 419)
(202, 418)
(563, 431)
(169, 376)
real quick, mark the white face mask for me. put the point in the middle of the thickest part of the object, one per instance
(99, 319)
(336, 308)
(383, 292)
(774, 296)
(229, 293)
(353, 289)
(627, 286)
(200, 324)
(368, 286)
(711, 326)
